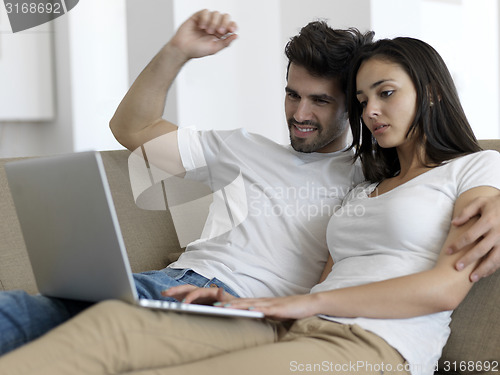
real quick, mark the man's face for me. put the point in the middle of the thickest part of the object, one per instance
(315, 112)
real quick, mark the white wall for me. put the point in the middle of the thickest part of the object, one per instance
(470, 47)
(90, 77)
(466, 35)
(26, 57)
(27, 109)
(240, 86)
(144, 39)
(99, 70)
(244, 85)
(97, 54)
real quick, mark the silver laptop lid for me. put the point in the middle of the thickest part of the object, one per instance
(70, 227)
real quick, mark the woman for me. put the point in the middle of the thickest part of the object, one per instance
(385, 306)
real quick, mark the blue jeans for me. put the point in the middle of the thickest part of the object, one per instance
(24, 317)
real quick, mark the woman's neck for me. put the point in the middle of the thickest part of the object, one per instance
(412, 164)
(411, 159)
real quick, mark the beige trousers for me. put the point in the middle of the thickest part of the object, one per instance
(116, 338)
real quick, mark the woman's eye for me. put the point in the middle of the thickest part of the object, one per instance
(387, 93)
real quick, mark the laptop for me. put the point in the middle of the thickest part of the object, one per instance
(72, 234)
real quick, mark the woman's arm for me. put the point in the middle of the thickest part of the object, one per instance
(439, 289)
(486, 234)
(206, 296)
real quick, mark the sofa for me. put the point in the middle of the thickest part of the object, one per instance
(151, 242)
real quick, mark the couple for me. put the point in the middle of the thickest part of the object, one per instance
(386, 291)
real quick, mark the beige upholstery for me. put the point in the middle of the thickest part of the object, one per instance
(475, 325)
(152, 243)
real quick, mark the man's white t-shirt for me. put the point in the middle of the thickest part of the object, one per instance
(399, 233)
(266, 231)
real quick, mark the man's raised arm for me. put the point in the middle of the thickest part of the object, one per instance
(138, 118)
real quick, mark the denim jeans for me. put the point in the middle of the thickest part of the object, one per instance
(24, 317)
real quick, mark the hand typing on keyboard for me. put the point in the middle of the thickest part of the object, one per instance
(202, 296)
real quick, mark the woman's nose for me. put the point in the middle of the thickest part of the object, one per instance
(372, 110)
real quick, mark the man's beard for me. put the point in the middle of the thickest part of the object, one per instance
(300, 144)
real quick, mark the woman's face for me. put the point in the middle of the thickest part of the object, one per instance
(389, 100)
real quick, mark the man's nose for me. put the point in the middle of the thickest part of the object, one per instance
(303, 112)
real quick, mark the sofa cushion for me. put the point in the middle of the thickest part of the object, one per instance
(149, 236)
(474, 343)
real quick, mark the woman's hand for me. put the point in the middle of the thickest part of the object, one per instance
(281, 308)
(201, 296)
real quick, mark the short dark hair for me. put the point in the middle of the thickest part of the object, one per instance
(326, 52)
(440, 122)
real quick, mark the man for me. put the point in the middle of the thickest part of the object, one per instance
(276, 244)
(255, 255)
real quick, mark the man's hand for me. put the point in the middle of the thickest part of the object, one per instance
(201, 296)
(204, 33)
(486, 231)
